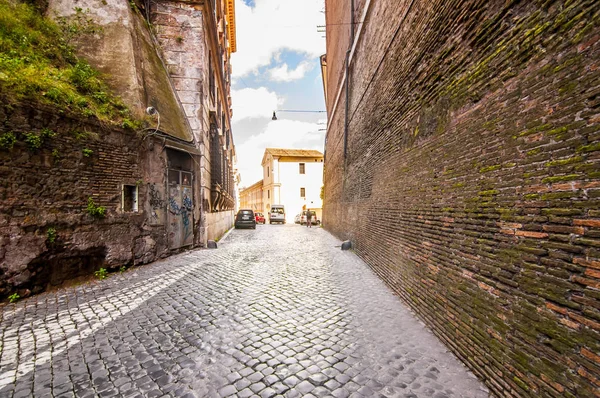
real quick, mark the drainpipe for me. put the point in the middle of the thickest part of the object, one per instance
(347, 70)
(351, 23)
(346, 105)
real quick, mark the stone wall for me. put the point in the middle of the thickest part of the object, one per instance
(219, 223)
(45, 192)
(471, 183)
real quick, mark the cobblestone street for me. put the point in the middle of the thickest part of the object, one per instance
(279, 310)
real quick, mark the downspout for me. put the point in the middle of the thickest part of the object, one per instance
(347, 70)
(346, 105)
(351, 23)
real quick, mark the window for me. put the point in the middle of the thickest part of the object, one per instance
(186, 179)
(302, 168)
(268, 194)
(302, 192)
(267, 171)
(130, 198)
(211, 78)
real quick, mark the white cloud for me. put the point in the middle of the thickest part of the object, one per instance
(277, 134)
(254, 103)
(271, 26)
(283, 74)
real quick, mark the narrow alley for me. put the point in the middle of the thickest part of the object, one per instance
(276, 311)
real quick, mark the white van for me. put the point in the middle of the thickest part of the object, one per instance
(277, 214)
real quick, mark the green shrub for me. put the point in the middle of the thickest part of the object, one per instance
(87, 152)
(101, 273)
(51, 235)
(47, 133)
(7, 140)
(95, 211)
(33, 141)
(85, 78)
(13, 298)
(131, 124)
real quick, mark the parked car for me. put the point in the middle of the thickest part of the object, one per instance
(260, 218)
(277, 214)
(297, 218)
(245, 218)
(313, 219)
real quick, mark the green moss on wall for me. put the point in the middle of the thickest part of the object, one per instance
(37, 63)
(553, 179)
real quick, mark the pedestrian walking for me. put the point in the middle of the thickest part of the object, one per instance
(308, 217)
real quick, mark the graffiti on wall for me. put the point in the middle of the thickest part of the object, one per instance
(181, 206)
(157, 205)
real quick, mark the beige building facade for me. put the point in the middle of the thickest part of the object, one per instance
(252, 197)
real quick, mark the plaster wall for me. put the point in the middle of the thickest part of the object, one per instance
(292, 181)
(219, 223)
(125, 52)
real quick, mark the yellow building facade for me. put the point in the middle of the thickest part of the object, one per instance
(252, 197)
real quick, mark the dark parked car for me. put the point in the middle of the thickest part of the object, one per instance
(245, 218)
(260, 218)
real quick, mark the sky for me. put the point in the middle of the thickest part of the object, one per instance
(276, 66)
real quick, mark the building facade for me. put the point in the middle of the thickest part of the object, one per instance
(462, 159)
(252, 197)
(196, 39)
(293, 178)
(175, 58)
(171, 187)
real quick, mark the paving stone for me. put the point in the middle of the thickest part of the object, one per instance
(243, 319)
(257, 387)
(293, 393)
(305, 387)
(291, 381)
(242, 383)
(245, 393)
(340, 393)
(320, 392)
(227, 391)
(270, 379)
(268, 393)
(280, 388)
(318, 379)
(332, 384)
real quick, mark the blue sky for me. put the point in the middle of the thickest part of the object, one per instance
(276, 66)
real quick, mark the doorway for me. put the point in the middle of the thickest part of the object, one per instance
(180, 216)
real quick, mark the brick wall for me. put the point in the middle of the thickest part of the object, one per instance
(48, 188)
(337, 19)
(472, 179)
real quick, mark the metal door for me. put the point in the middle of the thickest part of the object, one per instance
(181, 205)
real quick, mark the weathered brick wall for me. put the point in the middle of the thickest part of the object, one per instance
(337, 18)
(48, 188)
(472, 180)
